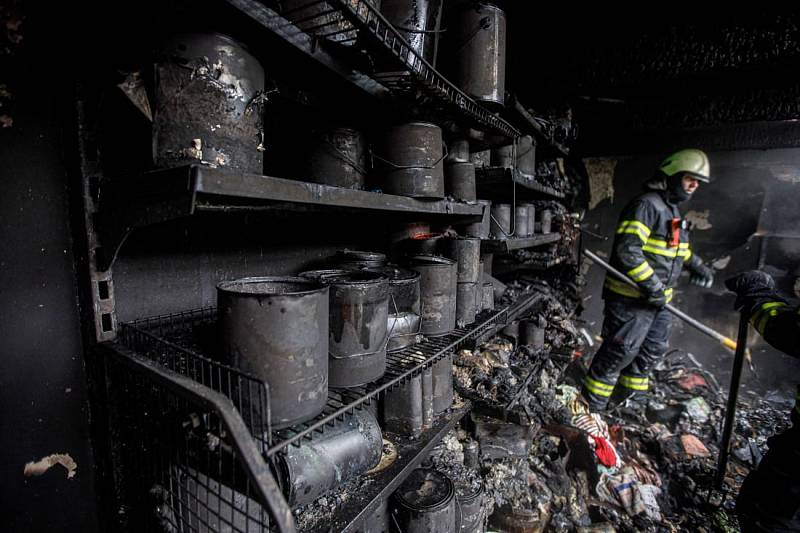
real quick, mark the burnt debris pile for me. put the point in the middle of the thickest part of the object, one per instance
(544, 462)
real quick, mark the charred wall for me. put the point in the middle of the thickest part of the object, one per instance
(43, 390)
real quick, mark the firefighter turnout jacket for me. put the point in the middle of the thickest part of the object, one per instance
(651, 246)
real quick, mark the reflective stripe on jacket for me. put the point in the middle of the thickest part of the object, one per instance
(648, 249)
(779, 324)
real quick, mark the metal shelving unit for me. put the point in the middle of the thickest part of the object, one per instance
(190, 438)
(176, 342)
(502, 246)
(162, 195)
(180, 346)
(494, 176)
(345, 21)
(414, 71)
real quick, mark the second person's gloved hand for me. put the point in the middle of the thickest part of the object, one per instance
(750, 287)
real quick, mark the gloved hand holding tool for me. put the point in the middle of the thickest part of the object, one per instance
(725, 341)
(702, 276)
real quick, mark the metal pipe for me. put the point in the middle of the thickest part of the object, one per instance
(702, 328)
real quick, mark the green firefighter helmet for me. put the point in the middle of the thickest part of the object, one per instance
(689, 161)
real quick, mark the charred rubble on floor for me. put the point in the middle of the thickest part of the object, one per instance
(546, 463)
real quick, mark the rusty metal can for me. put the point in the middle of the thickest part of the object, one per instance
(338, 157)
(458, 151)
(358, 335)
(347, 450)
(473, 508)
(427, 398)
(402, 408)
(503, 156)
(547, 221)
(460, 181)
(438, 281)
(521, 221)
(481, 229)
(467, 252)
(425, 502)
(443, 384)
(411, 161)
(467, 303)
(276, 328)
(526, 156)
(208, 104)
(487, 295)
(479, 42)
(417, 21)
(531, 219)
(501, 221)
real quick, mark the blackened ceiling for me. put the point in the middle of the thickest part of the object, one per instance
(641, 81)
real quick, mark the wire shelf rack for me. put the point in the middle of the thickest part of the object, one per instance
(348, 21)
(183, 342)
(190, 437)
(171, 341)
(183, 457)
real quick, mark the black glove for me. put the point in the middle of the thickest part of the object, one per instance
(657, 298)
(702, 276)
(751, 288)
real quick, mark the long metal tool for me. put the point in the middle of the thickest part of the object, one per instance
(725, 341)
(730, 409)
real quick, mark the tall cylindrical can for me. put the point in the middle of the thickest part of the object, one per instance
(531, 219)
(359, 309)
(501, 221)
(487, 296)
(276, 328)
(417, 21)
(443, 384)
(482, 228)
(411, 161)
(438, 280)
(427, 398)
(521, 221)
(547, 221)
(467, 252)
(207, 106)
(338, 157)
(478, 40)
(458, 151)
(459, 181)
(526, 156)
(467, 304)
(503, 156)
(402, 408)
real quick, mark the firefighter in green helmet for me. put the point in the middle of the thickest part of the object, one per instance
(651, 246)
